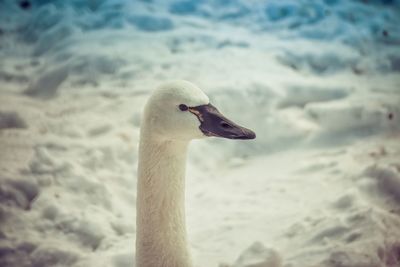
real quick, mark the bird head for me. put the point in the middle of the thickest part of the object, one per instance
(179, 110)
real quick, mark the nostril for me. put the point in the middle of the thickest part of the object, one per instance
(225, 125)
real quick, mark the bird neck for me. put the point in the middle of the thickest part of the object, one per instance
(161, 229)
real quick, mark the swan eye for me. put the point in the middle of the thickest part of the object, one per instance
(183, 107)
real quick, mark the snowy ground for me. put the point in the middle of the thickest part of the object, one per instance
(318, 81)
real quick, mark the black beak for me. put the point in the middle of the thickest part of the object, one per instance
(213, 123)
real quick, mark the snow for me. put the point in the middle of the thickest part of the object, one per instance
(11, 120)
(318, 81)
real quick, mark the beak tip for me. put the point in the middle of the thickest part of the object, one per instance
(251, 135)
(248, 135)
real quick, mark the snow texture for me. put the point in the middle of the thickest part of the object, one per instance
(318, 81)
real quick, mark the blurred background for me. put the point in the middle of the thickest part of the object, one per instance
(317, 80)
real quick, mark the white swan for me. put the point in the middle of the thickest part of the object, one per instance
(176, 113)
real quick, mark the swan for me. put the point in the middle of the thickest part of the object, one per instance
(175, 113)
